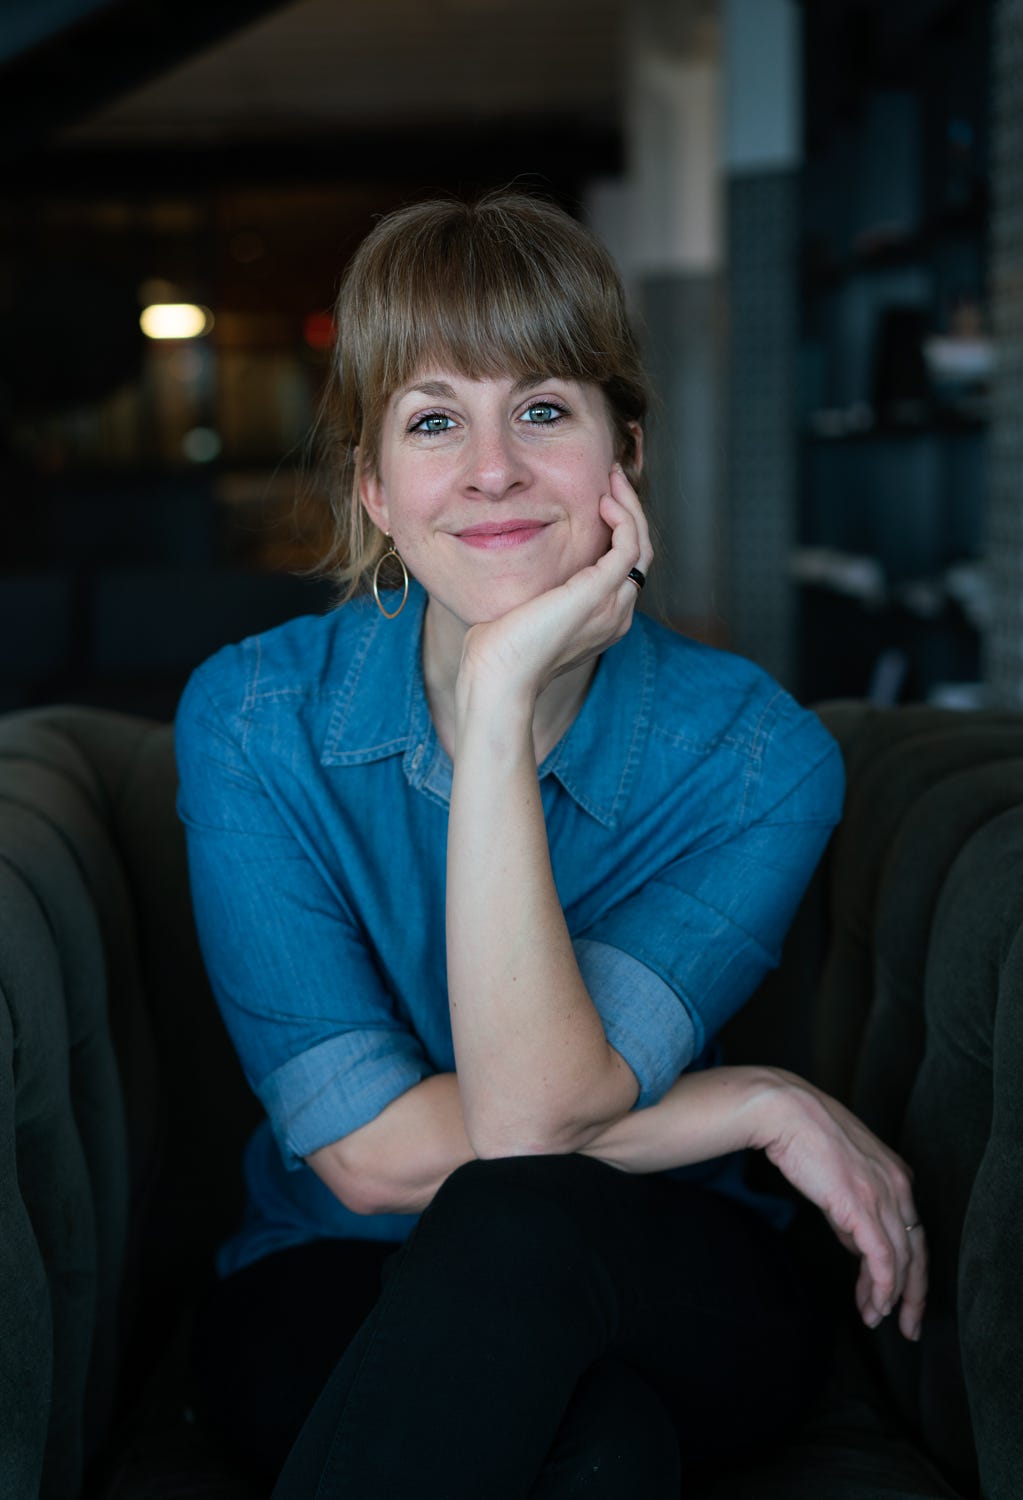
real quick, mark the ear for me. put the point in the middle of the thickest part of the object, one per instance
(632, 463)
(371, 493)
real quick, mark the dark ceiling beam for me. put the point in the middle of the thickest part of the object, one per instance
(30, 23)
(555, 152)
(102, 52)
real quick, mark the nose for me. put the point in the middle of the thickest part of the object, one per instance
(495, 465)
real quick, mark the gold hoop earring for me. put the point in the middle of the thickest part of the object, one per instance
(392, 551)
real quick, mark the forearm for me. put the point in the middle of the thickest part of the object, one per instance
(702, 1115)
(396, 1163)
(534, 1066)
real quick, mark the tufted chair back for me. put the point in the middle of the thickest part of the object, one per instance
(123, 1112)
(902, 984)
(122, 1109)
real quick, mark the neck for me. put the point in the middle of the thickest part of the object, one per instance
(556, 707)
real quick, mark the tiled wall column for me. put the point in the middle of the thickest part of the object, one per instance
(1003, 665)
(762, 456)
(762, 150)
(664, 225)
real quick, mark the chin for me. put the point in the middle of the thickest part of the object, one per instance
(500, 599)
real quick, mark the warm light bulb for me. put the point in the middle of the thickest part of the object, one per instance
(175, 320)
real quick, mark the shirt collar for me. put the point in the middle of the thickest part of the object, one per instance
(381, 710)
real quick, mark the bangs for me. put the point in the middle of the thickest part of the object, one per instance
(485, 316)
(508, 287)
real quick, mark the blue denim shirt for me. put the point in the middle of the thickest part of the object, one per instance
(686, 808)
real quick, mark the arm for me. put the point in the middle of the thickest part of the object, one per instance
(536, 1071)
(397, 1162)
(863, 1189)
(534, 1066)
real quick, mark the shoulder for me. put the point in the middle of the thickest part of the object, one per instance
(295, 666)
(711, 703)
(300, 659)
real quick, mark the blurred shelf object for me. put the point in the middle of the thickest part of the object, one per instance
(844, 424)
(964, 586)
(891, 652)
(895, 359)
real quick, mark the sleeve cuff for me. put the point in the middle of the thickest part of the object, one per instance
(643, 1017)
(339, 1085)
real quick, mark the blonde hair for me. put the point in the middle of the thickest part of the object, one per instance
(507, 285)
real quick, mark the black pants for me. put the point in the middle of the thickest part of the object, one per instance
(553, 1328)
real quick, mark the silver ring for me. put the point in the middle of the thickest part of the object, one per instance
(911, 1227)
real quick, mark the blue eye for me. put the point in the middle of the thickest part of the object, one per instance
(433, 422)
(543, 413)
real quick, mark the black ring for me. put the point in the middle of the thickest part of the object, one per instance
(636, 576)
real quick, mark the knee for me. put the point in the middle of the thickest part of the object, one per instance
(547, 1192)
(517, 1211)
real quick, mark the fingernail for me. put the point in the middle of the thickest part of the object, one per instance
(872, 1319)
(915, 1335)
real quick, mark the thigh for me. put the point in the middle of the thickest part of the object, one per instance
(520, 1278)
(719, 1321)
(268, 1337)
(692, 1289)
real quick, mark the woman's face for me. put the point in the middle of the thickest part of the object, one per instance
(490, 488)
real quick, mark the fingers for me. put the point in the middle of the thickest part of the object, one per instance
(914, 1296)
(630, 534)
(866, 1192)
(624, 493)
(879, 1271)
(893, 1272)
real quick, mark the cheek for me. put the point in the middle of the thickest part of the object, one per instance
(590, 481)
(396, 498)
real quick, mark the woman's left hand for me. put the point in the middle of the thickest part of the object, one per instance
(866, 1193)
(568, 625)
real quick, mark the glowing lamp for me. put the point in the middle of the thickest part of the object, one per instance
(175, 320)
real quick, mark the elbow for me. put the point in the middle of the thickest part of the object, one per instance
(361, 1190)
(363, 1196)
(550, 1126)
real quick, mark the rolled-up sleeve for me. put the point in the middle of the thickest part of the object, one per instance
(310, 1018)
(667, 967)
(641, 1015)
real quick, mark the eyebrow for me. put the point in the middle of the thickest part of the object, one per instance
(441, 391)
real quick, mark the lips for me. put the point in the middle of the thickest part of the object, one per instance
(496, 536)
(498, 528)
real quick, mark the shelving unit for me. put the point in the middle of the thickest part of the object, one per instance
(893, 348)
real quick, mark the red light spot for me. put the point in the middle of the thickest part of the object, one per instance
(318, 330)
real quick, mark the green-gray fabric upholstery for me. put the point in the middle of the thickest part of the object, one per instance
(122, 1109)
(123, 1112)
(916, 1018)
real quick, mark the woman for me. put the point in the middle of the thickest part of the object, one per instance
(480, 867)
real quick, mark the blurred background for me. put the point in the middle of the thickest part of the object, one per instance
(817, 208)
